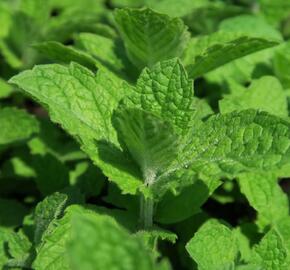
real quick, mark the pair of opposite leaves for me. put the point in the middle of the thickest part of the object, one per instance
(155, 124)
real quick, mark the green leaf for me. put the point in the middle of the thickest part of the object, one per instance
(265, 94)
(205, 19)
(283, 227)
(127, 3)
(246, 234)
(150, 37)
(251, 25)
(17, 167)
(244, 69)
(151, 142)
(248, 267)
(5, 234)
(14, 249)
(274, 11)
(51, 174)
(152, 236)
(5, 89)
(176, 208)
(174, 8)
(12, 213)
(238, 142)
(213, 246)
(5, 20)
(83, 103)
(225, 145)
(87, 178)
(46, 213)
(271, 252)
(65, 54)
(52, 140)
(16, 125)
(106, 238)
(52, 254)
(210, 52)
(265, 196)
(281, 61)
(79, 16)
(35, 10)
(166, 91)
(58, 250)
(104, 50)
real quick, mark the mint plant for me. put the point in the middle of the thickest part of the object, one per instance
(144, 135)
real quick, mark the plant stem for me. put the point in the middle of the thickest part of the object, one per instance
(146, 212)
(146, 203)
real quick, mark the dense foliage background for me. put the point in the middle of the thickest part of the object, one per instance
(86, 200)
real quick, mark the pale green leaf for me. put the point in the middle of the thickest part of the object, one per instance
(265, 94)
(244, 69)
(176, 8)
(271, 252)
(248, 267)
(284, 228)
(246, 234)
(210, 52)
(35, 10)
(213, 246)
(275, 11)
(265, 196)
(65, 54)
(150, 37)
(103, 49)
(251, 25)
(83, 103)
(106, 238)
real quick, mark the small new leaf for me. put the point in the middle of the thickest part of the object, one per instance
(166, 91)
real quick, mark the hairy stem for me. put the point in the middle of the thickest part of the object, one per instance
(146, 212)
(147, 204)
